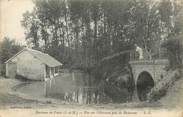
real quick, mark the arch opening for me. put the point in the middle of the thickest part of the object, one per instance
(145, 83)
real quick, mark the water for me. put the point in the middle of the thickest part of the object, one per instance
(70, 87)
(34, 89)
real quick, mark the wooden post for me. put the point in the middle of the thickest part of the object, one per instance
(7, 70)
(50, 72)
(44, 72)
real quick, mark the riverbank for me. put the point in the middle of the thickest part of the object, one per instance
(173, 97)
(9, 98)
(6, 96)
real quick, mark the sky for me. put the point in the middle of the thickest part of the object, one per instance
(10, 16)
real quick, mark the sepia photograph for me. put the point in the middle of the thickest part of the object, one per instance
(91, 58)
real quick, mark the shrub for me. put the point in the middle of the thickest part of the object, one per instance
(174, 50)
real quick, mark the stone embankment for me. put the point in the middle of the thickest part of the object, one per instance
(168, 90)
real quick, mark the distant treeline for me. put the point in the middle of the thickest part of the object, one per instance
(80, 33)
(8, 48)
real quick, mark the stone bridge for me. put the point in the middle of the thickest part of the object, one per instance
(146, 74)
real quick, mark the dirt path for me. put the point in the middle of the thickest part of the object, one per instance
(10, 99)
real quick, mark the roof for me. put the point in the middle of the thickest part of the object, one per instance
(43, 57)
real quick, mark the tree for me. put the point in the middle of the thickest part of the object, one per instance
(173, 44)
(81, 33)
(175, 48)
(31, 24)
(8, 48)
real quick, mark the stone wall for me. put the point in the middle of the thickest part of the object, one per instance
(155, 68)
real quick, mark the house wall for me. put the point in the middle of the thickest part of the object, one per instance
(11, 69)
(29, 66)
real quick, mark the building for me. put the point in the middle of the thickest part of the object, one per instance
(32, 64)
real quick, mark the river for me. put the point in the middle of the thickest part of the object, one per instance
(69, 87)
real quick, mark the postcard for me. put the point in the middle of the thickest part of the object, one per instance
(91, 58)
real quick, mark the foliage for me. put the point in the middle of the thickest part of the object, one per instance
(8, 48)
(175, 48)
(95, 29)
(80, 33)
(173, 44)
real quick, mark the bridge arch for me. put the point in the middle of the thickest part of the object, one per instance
(152, 70)
(144, 84)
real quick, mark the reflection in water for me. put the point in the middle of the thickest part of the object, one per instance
(72, 87)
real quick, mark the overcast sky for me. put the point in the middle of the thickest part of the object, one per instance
(10, 16)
